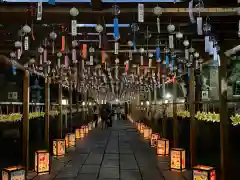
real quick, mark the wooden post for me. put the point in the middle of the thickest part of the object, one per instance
(47, 107)
(26, 120)
(60, 118)
(224, 121)
(192, 117)
(70, 103)
(175, 121)
(164, 121)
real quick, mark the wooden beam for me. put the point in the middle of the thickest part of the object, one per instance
(96, 5)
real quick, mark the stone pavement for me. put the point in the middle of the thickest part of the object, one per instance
(115, 153)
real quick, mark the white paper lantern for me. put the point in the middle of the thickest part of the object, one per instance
(59, 54)
(130, 43)
(40, 50)
(18, 44)
(157, 11)
(53, 35)
(32, 61)
(186, 43)
(74, 12)
(99, 28)
(170, 28)
(74, 43)
(12, 54)
(141, 50)
(150, 55)
(196, 55)
(26, 29)
(179, 35)
(191, 50)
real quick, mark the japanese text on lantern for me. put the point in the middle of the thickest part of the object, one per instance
(43, 162)
(176, 160)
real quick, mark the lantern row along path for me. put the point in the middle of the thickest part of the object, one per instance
(119, 153)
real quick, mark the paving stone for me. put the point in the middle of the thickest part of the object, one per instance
(90, 169)
(68, 172)
(94, 158)
(109, 173)
(111, 156)
(110, 163)
(86, 177)
(130, 175)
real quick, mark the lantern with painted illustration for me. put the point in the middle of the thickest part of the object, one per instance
(14, 173)
(42, 162)
(59, 147)
(162, 147)
(177, 159)
(201, 172)
(77, 133)
(86, 129)
(147, 133)
(71, 139)
(66, 141)
(154, 139)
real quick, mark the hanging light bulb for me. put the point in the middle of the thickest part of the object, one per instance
(26, 30)
(170, 28)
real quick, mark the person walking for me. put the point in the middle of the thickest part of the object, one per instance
(104, 116)
(95, 115)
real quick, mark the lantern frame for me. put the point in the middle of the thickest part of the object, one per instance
(147, 132)
(181, 160)
(165, 143)
(77, 133)
(142, 127)
(46, 154)
(58, 143)
(208, 171)
(9, 172)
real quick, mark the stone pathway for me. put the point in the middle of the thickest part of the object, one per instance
(118, 153)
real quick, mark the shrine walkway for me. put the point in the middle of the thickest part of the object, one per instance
(116, 153)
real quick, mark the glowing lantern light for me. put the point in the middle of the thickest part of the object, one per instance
(147, 133)
(89, 126)
(14, 173)
(201, 172)
(82, 134)
(163, 147)
(70, 140)
(154, 139)
(86, 129)
(42, 162)
(77, 133)
(59, 147)
(177, 159)
(142, 127)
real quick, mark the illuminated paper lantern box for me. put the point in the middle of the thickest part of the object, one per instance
(142, 127)
(82, 134)
(77, 133)
(71, 140)
(163, 147)
(147, 133)
(59, 147)
(154, 139)
(89, 126)
(14, 173)
(177, 159)
(42, 162)
(201, 172)
(138, 126)
(85, 129)
(66, 141)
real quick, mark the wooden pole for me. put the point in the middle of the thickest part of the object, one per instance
(224, 121)
(70, 104)
(47, 107)
(175, 121)
(60, 118)
(26, 120)
(192, 117)
(164, 121)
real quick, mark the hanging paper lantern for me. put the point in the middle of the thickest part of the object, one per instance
(186, 43)
(157, 11)
(170, 28)
(130, 43)
(74, 12)
(53, 35)
(99, 28)
(179, 35)
(196, 55)
(26, 29)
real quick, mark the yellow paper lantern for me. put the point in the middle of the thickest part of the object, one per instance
(86, 129)
(71, 139)
(82, 134)
(14, 173)
(90, 126)
(201, 172)
(77, 133)
(163, 147)
(177, 159)
(42, 162)
(154, 139)
(147, 133)
(142, 126)
(59, 147)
